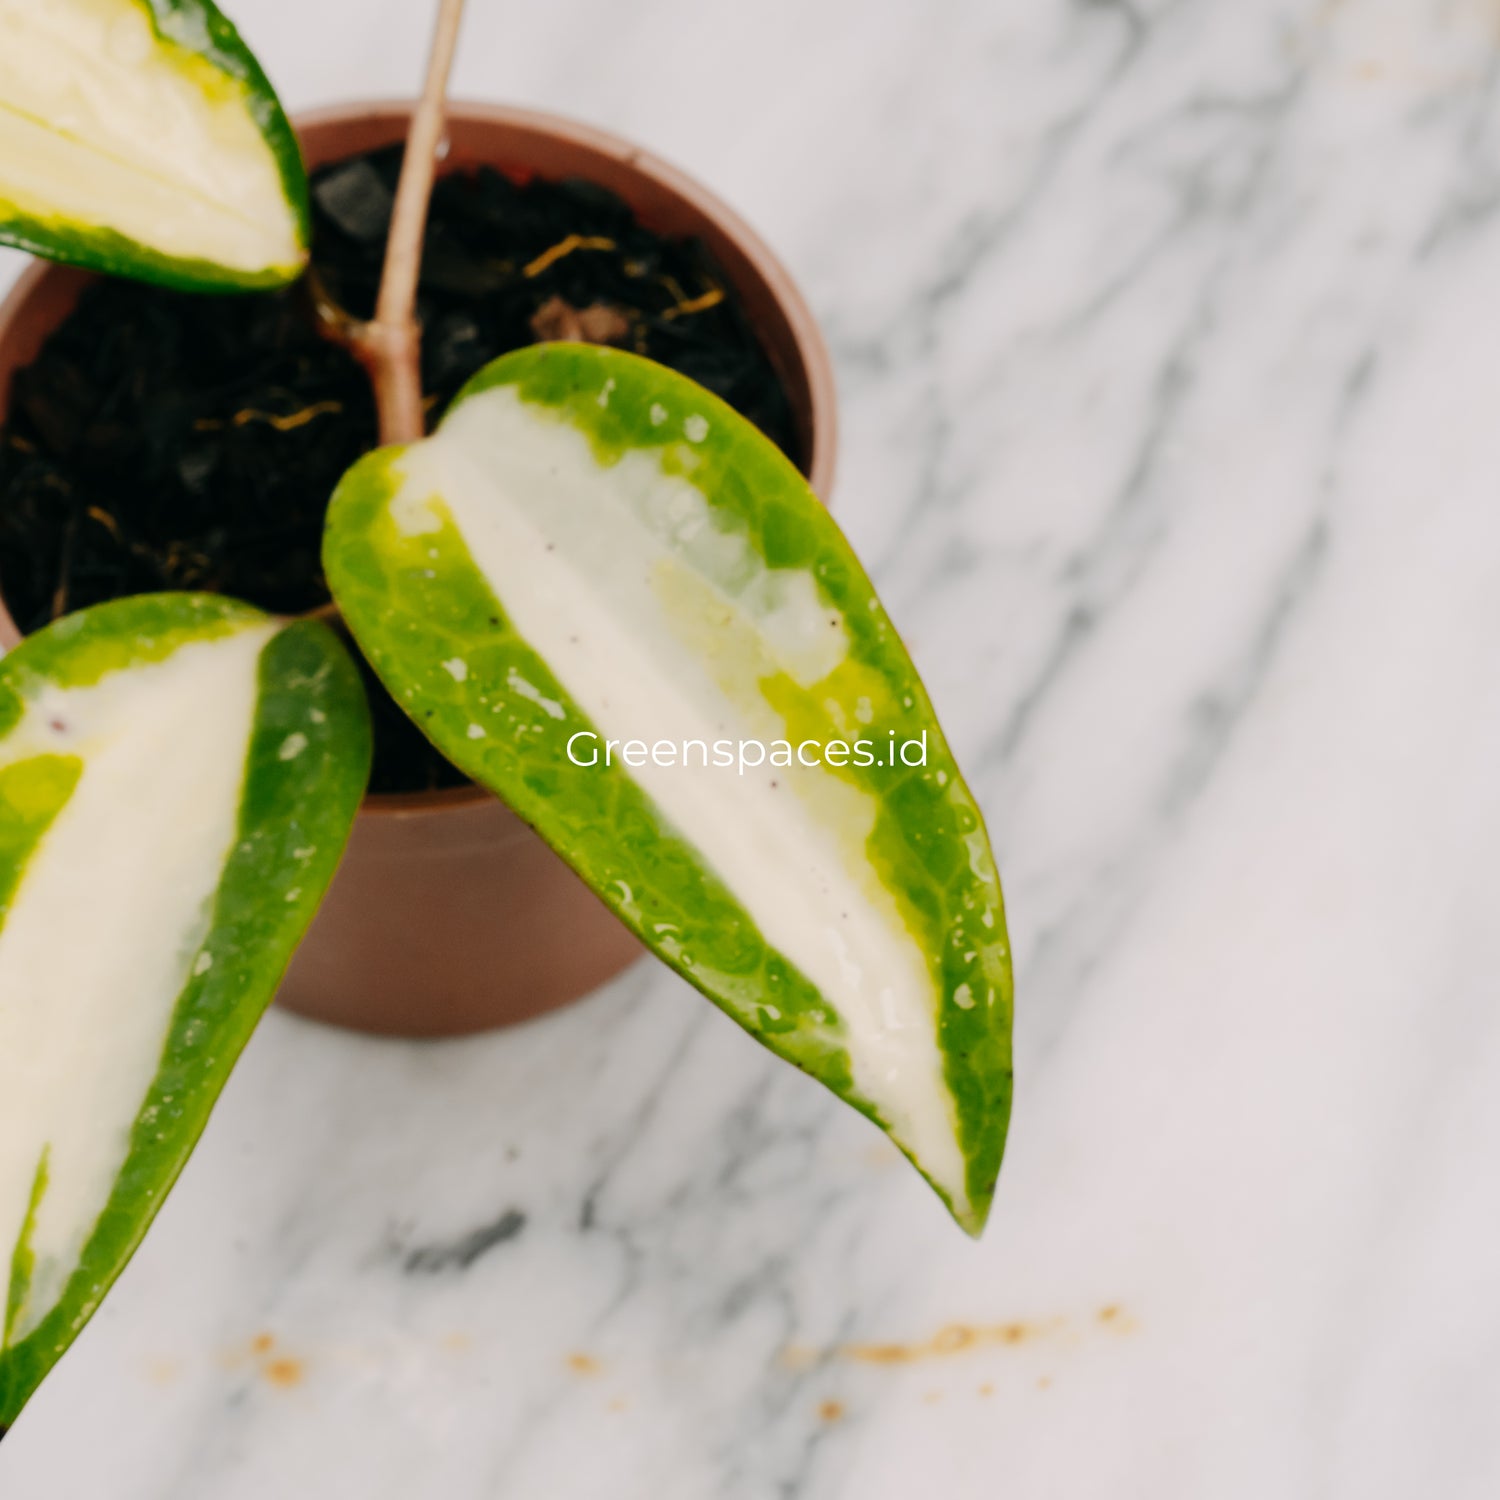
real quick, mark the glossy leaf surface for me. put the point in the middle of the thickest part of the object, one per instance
(141, 138)
(178, 775)
(593, 550)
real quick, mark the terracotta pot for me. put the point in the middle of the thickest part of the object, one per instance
(448, 914)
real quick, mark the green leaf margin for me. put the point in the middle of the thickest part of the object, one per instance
(286, 805)
(200, 29)
(929, 844)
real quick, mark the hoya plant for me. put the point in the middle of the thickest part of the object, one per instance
(587, 551)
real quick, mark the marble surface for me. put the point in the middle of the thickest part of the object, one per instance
(1166, 333)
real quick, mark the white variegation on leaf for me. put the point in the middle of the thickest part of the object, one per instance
(661, 625)
(106, 926)
(178, 774)
(139, 136)
(593, 551)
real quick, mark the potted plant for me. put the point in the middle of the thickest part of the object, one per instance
(447, 913)
(601, 593)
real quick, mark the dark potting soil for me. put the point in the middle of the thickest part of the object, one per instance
(167, 440)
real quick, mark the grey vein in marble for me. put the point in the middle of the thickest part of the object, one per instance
(1165, 332)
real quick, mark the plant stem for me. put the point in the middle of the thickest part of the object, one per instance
(390, 345)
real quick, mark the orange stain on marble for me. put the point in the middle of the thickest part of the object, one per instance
(285, 1374)
(955, 1338)
(958, 1338)
(284, 1371)
(1116, 1319)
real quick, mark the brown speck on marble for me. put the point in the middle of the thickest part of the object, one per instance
(285, 1373)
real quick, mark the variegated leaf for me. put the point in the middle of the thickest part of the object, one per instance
(178, 774)
(592, 549)
(140, 137)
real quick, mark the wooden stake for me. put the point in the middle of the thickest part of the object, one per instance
(390, 345)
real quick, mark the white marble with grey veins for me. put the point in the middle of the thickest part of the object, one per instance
(1171, 383)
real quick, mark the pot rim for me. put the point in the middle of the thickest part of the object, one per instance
(817, 365)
